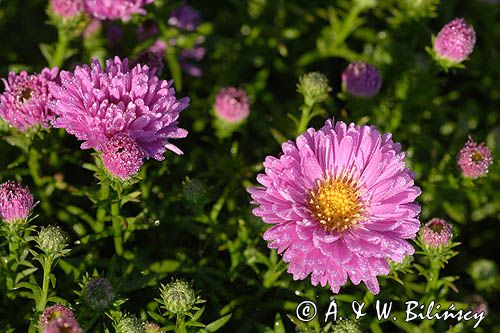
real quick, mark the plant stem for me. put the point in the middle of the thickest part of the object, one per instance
(47, 266)
(179, 325)
(305, 117)
(101, 210)
(117, 226)
(62, 46)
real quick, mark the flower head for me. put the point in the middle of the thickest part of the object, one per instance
(129, 324)
(152, 328)
(152, 59)
(341, 202)
(55, 312)
(474, 159)
(346, 326)
(231, 105)
(185, 17)
(361, 79)
(63, 325)
(24, 103)
(178, 297)
(16, 202)
(314, 86)
(122, 157)
(478, 304)
(436, 233)
(66, 8)
(52, 239)
(96, 104)
(98, 293)
(116, 9)
(455, 41)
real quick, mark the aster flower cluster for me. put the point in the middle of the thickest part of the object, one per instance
(100, 9)
(58, 318)
(127, 114)
(341, 202)
(25, 102)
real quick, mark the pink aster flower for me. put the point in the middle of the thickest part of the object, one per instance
(436, 233)
(53, 313)
(66, 8)
(341, 202)
(63, 325)
(122, 156)
(24, 103)
(95, 104)
(231, 105)
(116, 9)
(185, 17)
(361, 79)
(455, 41)
(16, 202)
(474, 159)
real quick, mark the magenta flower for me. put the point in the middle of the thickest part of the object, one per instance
(474, 159)
(24, 103)
(95, 104)
(231, 105)
(116, 9)
(16, 202)
(53, 313)
(341, 202)
(361, 79)
(63, 325)
(185, 17)
(436, 233)
(122, 156)
(66, 8)
(455, 42)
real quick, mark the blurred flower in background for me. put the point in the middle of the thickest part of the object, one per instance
(474, 159)
(361, 80)
(455, 42)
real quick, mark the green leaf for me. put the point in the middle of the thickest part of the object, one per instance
(216, 325)
(278, 324)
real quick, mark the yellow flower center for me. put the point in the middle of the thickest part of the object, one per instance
(336, 203)
(477, 157)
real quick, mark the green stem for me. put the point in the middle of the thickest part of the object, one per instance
(305, 117)
(47, 266)
(101, 210)
(117, 226)
(179, 325)
(61, 49)
(433, 278)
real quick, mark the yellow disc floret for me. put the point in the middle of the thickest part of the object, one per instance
(336, 203)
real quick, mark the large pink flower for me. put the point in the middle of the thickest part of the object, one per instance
(24, 103)
(341, 202)
(116, 9)
(97, 104)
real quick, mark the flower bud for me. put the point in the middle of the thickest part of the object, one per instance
(455, 41)
(478, 304)
(66, 8)
(346, 326)
(55, 312)
(98, 293)
(152, 328)
(122, 157)
(178, 297)
(16, 202)
(231, 105)
(361, 80)
(129, 324)
(52, 239)
(474, 159)
(63, 325)
(484, 272)
(195, 191)
(436, 233)
(314, 87)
